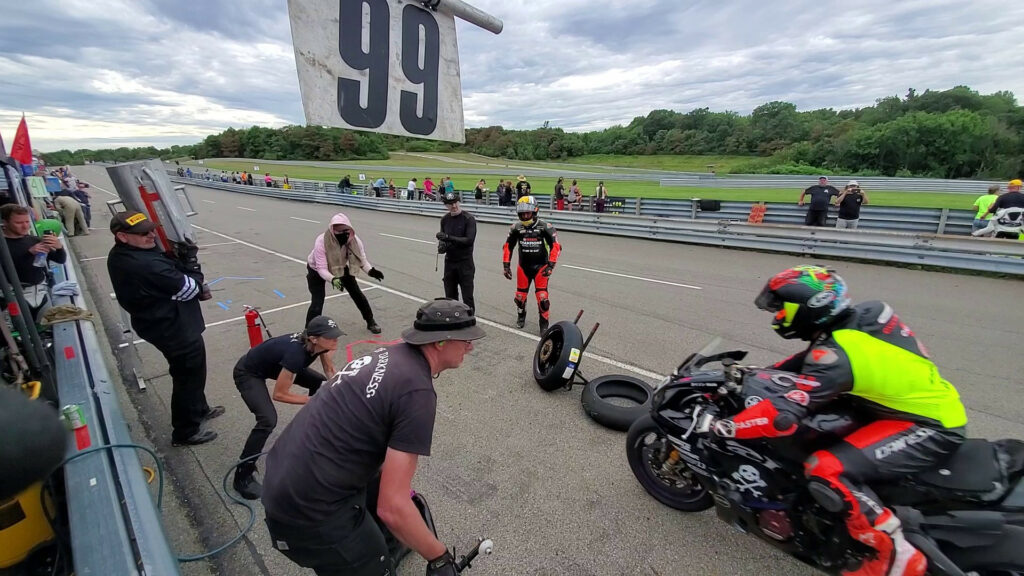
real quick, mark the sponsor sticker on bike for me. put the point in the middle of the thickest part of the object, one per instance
(574, 355)
(798, 397)
(569, 370)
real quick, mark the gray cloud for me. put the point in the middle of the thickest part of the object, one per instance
(167, 71)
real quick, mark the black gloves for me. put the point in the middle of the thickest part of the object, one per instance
(508, 270)
(376, 274)
(441, 236)
(443, 565)
(549, 269)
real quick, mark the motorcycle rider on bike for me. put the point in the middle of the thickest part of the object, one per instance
(538, 252)
(867, 352)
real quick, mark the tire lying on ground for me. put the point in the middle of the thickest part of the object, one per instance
(598, 395)
(558, 355)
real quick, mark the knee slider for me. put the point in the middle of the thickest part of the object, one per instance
(544, 304)
(828, 497)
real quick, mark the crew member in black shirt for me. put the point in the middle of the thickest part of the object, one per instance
(849, 203)
(25, 249)
(522, 187)
(456, 238)
(1013, 198)
(338, 481)
(162, 296)
(821, 194)
(284, 359)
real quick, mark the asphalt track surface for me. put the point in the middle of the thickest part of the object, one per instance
(525, 467)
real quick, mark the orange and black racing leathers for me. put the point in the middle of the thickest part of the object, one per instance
(538, 253)
(876, 359)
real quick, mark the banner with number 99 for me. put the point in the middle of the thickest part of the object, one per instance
(387, 66)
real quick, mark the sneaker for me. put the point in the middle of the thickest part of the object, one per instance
(201, 437)
(213, 413)
(247, 486)
(373, 327)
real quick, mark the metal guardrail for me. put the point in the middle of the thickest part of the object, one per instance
(797, 183)
(114, 523)
(1003, 256)
(881, 218)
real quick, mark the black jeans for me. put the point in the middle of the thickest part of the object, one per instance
(187, 366)
(354, 542)
(317, 288)
(815, 217)
(257, 398)
(459, 276)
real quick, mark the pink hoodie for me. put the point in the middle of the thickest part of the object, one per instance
(317, 259)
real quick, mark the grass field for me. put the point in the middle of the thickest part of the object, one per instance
(439, 167)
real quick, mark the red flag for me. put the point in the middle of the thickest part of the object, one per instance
(21, 148)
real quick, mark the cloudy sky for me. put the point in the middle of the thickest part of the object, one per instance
(106, 73)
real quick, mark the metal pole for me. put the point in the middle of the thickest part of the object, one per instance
(460, 9)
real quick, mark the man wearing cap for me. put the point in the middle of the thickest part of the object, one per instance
(522, 187)
(1013, 198)
(162, 297)
(849, 203)
(821, 193)
(456, 238)
(285, 360)
(338, 479)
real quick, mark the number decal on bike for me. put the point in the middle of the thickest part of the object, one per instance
(375, 61)
(415, 20)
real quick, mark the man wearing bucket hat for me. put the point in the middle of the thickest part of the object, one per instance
(338, 480)
(285, 360)
(523, 187)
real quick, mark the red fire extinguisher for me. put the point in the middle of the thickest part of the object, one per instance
(254, 326)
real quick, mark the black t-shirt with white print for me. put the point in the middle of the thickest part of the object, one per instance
(337, 442)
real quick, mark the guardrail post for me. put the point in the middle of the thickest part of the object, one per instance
(639, 200)
(942, 221)
(693, 208)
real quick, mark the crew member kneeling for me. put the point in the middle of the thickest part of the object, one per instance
(337, 485)
(284, 359)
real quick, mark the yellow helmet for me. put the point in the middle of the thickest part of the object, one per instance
(526, 209)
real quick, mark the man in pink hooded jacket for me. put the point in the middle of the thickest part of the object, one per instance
(337, 257)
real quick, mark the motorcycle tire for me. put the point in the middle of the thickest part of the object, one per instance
(643, 436)
(599, 391)
(1002, 558)
(558, 355)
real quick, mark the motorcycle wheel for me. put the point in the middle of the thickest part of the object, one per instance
(551, 361)
(598, 395)
(682, 492)
(1004, 558)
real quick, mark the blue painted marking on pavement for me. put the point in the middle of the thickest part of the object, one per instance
(212, 282)
(223, 305)
(278, 292)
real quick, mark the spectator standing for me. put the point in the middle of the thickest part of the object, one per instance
(478, 192)
(285, 183)
(600, 197)
(379, 185)
(428, 188)
(457, 236)
(449, 186)
(248, 179)
(188, 174)
(268, 181)
(345, 184)
(337, 257)
(849, 202)
(410, 189)
(1013, 198)
(243, 178)
(821, 194)
(30, 255)
(523, 187)
(285, 360)
(84, 198)
(982, 204)
(162, 296)
(560, 194)
(574, 195)
(391, 187)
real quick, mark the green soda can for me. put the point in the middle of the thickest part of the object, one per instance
(74, 416)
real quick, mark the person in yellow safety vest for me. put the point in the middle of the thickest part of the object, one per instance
(864, 352)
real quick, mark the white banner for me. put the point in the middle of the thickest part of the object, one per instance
(387, 66)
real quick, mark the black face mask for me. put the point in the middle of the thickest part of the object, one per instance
(342, 238)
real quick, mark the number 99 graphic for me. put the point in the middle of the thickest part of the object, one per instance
(416, 23)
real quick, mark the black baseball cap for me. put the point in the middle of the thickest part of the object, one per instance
(131, 223)
(323, 326)
(443, 319)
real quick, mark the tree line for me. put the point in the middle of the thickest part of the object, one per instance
(955, 133)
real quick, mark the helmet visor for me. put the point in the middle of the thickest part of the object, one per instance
(768, 300)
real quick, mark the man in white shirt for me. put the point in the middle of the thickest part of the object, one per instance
(411, 189)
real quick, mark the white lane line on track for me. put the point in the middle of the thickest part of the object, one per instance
(406, 238)
(240, 318)
(484, 321)
(93, 258)
(632, 277)
(91, 185)
(305, 220)
(208, 201)
(218, 244)
(244, 208)
(641, 278)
